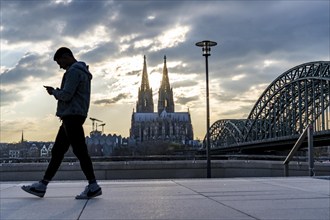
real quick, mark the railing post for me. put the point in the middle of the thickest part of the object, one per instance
(310, 150)
(297, 145)
(286, 169)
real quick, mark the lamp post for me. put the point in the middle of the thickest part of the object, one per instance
(206, 48)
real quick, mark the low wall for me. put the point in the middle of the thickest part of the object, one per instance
(160, 170)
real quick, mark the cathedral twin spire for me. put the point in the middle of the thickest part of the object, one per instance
(145, 81)
(145, 103)
(165, 94)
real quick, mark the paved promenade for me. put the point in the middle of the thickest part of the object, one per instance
(301, 198)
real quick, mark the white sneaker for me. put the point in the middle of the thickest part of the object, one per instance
(37, 189)
(91, 191)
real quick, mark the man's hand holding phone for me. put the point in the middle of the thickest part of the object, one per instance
(49, 89)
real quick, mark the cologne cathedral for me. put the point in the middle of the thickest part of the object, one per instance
(165, 124)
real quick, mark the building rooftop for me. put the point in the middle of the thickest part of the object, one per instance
(231, 198)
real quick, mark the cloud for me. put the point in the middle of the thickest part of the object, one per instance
(17, 82)
(100, 52)
(134, 17)
(112, 100)
(134, 73)
(30, 66)
(184, 83)
(239, 112)
(8, 97)
(184, 100)
(40, 21)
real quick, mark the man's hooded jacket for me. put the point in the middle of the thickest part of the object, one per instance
(74, 95)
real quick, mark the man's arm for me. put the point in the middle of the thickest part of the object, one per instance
(70, 85)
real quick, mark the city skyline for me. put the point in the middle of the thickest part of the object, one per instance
(257, 41)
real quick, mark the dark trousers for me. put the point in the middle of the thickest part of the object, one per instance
(71, 133)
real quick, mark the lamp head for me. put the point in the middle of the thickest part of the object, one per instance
(206, 46)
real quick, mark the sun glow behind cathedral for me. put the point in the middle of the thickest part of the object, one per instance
(164, 124)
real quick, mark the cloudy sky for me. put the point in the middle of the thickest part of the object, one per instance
(257, 41)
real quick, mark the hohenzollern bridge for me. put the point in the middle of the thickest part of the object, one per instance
(296, 99)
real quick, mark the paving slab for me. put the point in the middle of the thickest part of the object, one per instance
(303, 198)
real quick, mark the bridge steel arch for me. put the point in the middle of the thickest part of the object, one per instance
(297, 98)
(223, 132)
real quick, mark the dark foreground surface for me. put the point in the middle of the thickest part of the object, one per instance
(302, 198)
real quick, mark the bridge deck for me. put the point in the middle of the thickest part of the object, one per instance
(233, 198)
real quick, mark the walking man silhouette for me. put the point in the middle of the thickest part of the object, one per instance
(73, 98)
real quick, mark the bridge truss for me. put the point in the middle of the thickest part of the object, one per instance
(297, 98)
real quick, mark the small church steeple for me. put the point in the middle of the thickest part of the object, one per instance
(165, 94)
(145, 102)
(22, 138)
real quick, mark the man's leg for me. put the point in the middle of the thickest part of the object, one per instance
(75, 132)
(61, 145)
(59, 149)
